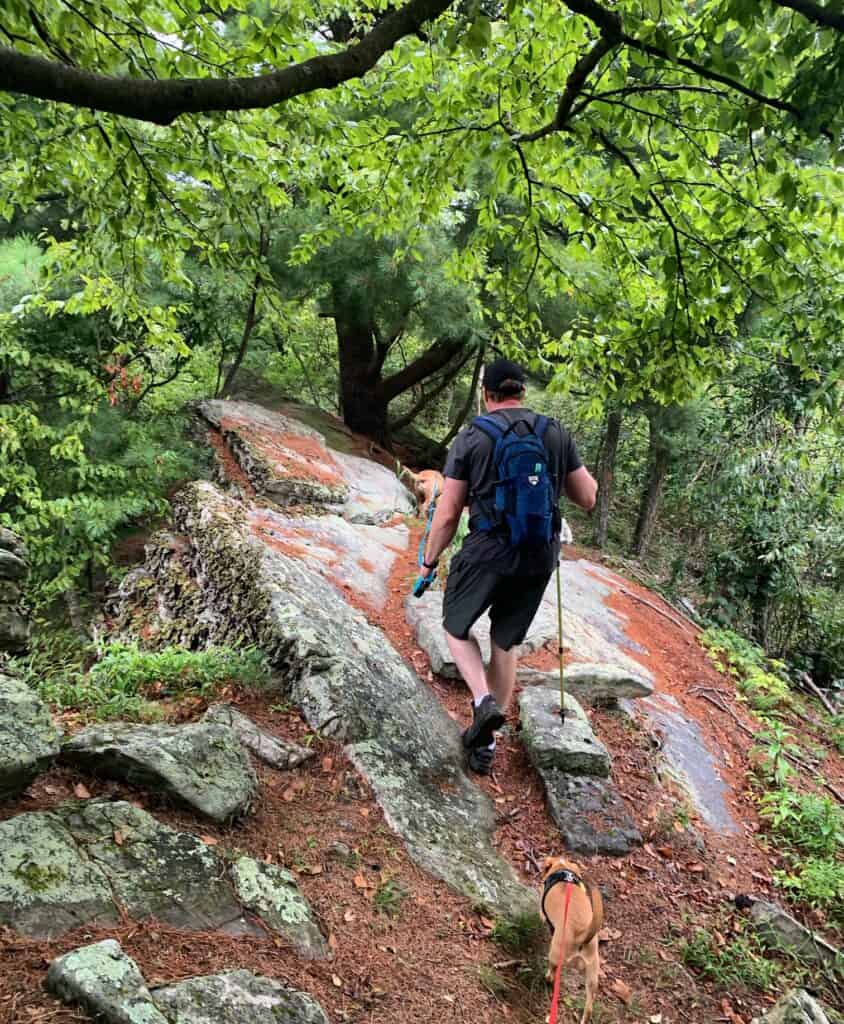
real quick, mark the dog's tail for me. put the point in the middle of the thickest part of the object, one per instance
(597, 914)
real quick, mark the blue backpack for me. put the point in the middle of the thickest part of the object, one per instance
(525, 492)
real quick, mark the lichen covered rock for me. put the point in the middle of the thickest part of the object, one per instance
(569, 746)
(273, 750)
(590, 814)
(14, 624)
(591, 684)
(795, 1007)
(28, 739)
(779, 930)
(106, 983)
(202, 764)
(237, 997)
(87, 859)
(272, 893)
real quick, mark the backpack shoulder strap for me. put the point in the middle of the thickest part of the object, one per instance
(492, 428)
(540, 426)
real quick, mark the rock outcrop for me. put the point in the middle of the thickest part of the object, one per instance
(202, 765)
(350, 684)
(28, 739)
(84, 861)
(14, 625)
(568, 745)
(594, 685)
(778, 929)
(795, 1007)
(107, 983)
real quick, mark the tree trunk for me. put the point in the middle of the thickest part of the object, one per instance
(658, 462)
(606, 470)
(364, 408)
(249, 323)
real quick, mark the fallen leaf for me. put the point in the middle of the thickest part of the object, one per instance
(332, 942)
(360, 882)
(655, 1018)
(622, 990)
(119, 838)
(210, 840)
(697, 868)
(349, 916)
(312, 869)
(487, 923)
(52, 790)
(364, 811)
(288, 795)
(335, 981)
(81, 792)
(328, 764)
(679, 826)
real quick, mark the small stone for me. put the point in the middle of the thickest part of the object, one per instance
(340, 851)
(590, 815)
(237, 997)
(271, 749)
(202, 764)
(595, 685)
(28, 739)
(272, 893)
(105, 982)
(570, 746)
(795, 1007)
(777, 928)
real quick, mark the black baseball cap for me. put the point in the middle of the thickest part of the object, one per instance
(500, 370)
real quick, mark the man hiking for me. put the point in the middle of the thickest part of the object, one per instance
(511, 467)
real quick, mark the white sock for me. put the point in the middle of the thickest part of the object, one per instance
(477, 701)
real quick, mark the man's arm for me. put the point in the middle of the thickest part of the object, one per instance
(450, 505)
(581, 488)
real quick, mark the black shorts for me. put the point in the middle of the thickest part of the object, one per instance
(513, 601)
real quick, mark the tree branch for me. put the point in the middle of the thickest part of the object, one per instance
(823, 16)
(435, 358)
(162, 101)
(447, 378)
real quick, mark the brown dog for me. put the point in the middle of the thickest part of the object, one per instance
(423, 486)
(584, 919)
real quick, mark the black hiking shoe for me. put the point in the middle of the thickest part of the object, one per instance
(480, 759)
(486, 718)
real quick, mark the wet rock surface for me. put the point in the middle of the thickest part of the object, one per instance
(795, 1007)
(105, 982)
(28, 739)
(272, 750)
(591, 684)
(237, 997)
(85, 860)
(272, 893)
(352, 685)
(202, 764)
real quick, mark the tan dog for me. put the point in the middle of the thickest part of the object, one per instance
(579, 938)
(423, 486)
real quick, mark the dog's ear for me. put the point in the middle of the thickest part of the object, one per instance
(548, 866)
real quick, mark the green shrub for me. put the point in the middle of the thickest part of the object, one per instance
(805, 821)
(818, 881)
(739, 962)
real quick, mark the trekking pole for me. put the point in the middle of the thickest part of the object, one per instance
(425, 579)
(560, 643)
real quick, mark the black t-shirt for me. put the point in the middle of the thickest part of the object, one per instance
(470, 458)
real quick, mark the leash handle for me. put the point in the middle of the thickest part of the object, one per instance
(555, 999)
(425, 578)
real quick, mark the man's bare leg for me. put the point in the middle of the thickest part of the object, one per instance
(501, 674)
(467, 657)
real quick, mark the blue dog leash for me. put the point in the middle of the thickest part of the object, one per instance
(423, 580)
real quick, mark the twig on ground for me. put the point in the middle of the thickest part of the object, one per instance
(653, 607)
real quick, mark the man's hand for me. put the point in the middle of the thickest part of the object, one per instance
(582, 488)
(446, 518)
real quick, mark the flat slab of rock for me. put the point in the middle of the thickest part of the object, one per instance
(590, 814)
(83, 861)
(595, 685)
(201, 764)
(273, 750)
(777, 928)
(237, 997)
(570, 746)
(106, 983)
(351, 684)
(356, 559)
(795, 1007)
(272, 893)
(28, 739)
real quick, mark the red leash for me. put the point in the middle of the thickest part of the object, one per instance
(555, 999)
